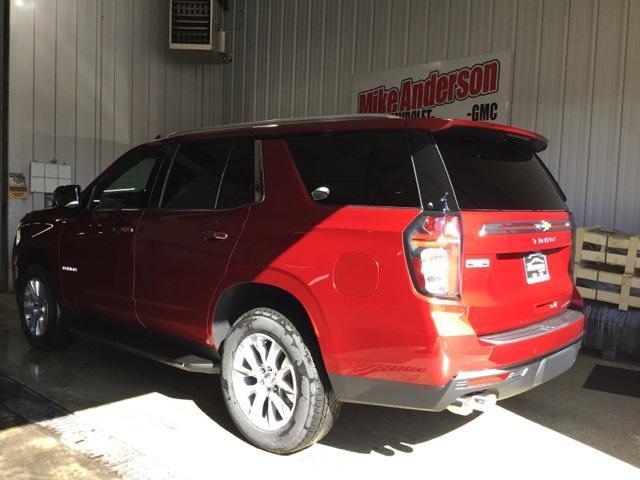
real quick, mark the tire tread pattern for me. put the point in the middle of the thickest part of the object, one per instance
(325, 408)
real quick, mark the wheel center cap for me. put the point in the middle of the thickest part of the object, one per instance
(268, 379)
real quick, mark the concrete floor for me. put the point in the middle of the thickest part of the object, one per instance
(28, 452)
(103, 413)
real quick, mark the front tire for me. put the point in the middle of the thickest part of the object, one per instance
(40, 315)
(275, 393)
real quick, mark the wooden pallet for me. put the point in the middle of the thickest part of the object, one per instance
(605, 279)
(611, 248)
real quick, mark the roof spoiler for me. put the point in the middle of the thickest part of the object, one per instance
(537, 142)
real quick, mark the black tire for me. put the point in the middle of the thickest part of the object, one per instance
(316, 406)
(54, 334)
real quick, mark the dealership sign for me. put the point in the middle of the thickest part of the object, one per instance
(475, 88)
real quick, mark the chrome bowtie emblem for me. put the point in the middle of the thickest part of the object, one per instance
(543, 226)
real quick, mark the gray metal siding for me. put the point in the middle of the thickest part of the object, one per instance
(91, 78)
(576, 65)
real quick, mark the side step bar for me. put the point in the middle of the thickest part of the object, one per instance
(156, 350)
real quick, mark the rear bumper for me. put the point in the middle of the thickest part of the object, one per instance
(517, 379)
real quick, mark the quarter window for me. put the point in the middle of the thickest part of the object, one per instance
(357, 168)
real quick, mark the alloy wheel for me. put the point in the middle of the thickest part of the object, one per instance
(35, 305)
(264, 382)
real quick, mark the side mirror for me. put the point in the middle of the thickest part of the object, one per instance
(320, 193)
(66, 196)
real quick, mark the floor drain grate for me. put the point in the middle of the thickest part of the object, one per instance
(78, 435)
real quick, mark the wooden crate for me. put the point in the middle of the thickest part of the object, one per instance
(611, 248)
(605, 279)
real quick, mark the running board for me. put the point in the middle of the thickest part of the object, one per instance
(152, 349)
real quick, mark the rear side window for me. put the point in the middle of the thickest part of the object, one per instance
(357, 168)
(497, 171)
(240, 178)
(194, 177)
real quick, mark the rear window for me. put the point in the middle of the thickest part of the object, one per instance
(357, 168)
(496, 171)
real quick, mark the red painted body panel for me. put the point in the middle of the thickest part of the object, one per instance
(178, 267)
(302, 241)
(40, 232)
(389, 334)
(347, 267)
(498, 296)
(103, 258)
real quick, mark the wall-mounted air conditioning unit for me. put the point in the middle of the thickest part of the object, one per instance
(196, 25)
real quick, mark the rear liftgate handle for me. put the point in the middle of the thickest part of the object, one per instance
(211, 235)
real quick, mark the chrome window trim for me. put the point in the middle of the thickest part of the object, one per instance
(524, 227)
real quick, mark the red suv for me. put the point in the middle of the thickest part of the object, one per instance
(415, 263)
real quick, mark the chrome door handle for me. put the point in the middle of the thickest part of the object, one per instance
(211, 235)
(123, 229)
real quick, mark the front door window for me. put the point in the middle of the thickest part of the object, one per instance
(131, 183)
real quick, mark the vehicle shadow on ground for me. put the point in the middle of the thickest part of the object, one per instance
(90, 374)
(387, 431)
(360, 429)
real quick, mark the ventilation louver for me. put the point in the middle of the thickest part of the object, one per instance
(191, 23)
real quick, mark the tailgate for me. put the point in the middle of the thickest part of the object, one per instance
(516, 230)
(503, 291)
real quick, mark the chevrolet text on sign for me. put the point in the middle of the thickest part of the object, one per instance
(475, 88)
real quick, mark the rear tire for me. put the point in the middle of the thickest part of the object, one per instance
(276, 395)
(41, 318)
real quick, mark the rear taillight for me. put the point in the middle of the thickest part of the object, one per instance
(433, 244)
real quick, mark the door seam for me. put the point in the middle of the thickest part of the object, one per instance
(209, 325)
(133, 269)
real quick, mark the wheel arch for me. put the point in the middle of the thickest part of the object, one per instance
(242, 297)
(29, 257)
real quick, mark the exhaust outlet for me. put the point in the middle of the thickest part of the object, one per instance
(481, 402)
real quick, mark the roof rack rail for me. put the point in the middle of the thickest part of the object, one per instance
(287, 121)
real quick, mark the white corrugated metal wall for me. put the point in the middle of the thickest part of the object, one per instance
(575, 79)
(89, 79)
